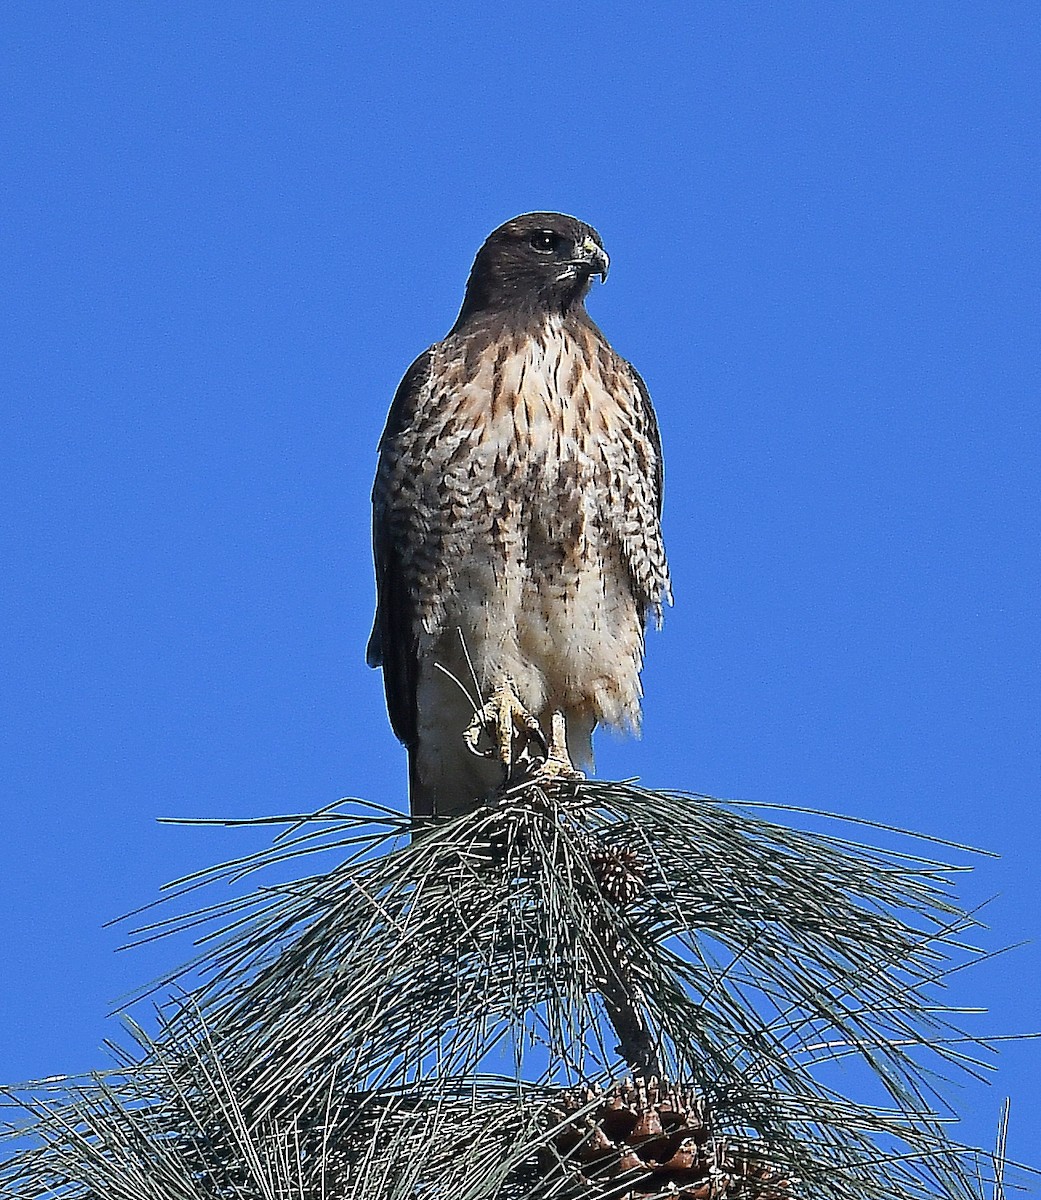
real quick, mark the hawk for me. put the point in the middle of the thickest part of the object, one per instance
(516, 519)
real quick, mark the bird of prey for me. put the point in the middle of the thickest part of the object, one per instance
(516, 521)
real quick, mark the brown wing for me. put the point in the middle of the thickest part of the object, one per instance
(640, 501)
(392, 645)
(653, 435)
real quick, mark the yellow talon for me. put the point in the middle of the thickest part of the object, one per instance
(505, 721)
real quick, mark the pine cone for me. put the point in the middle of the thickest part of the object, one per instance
(656, 1138)
(620, 873)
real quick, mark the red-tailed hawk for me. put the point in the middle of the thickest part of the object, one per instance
(516, 517)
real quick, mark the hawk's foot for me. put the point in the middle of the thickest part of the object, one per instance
(557, 763)
(510, 729)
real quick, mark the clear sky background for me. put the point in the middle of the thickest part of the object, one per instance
(227, 229)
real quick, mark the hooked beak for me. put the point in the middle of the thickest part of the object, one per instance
(593, 257)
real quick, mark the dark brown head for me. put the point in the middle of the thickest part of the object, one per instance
(537, 263)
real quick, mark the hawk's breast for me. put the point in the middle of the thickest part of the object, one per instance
(540, 403)
(534, 440)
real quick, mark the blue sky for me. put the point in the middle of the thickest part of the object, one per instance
(227, 230)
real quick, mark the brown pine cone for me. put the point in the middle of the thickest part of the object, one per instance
(657, 1139)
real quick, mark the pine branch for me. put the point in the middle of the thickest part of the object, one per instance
(343, 1034)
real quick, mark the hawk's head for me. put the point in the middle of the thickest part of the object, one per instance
(539, 262)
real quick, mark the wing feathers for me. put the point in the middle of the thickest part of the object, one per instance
(392, 645)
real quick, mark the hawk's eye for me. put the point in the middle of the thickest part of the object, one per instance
(545, 241)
